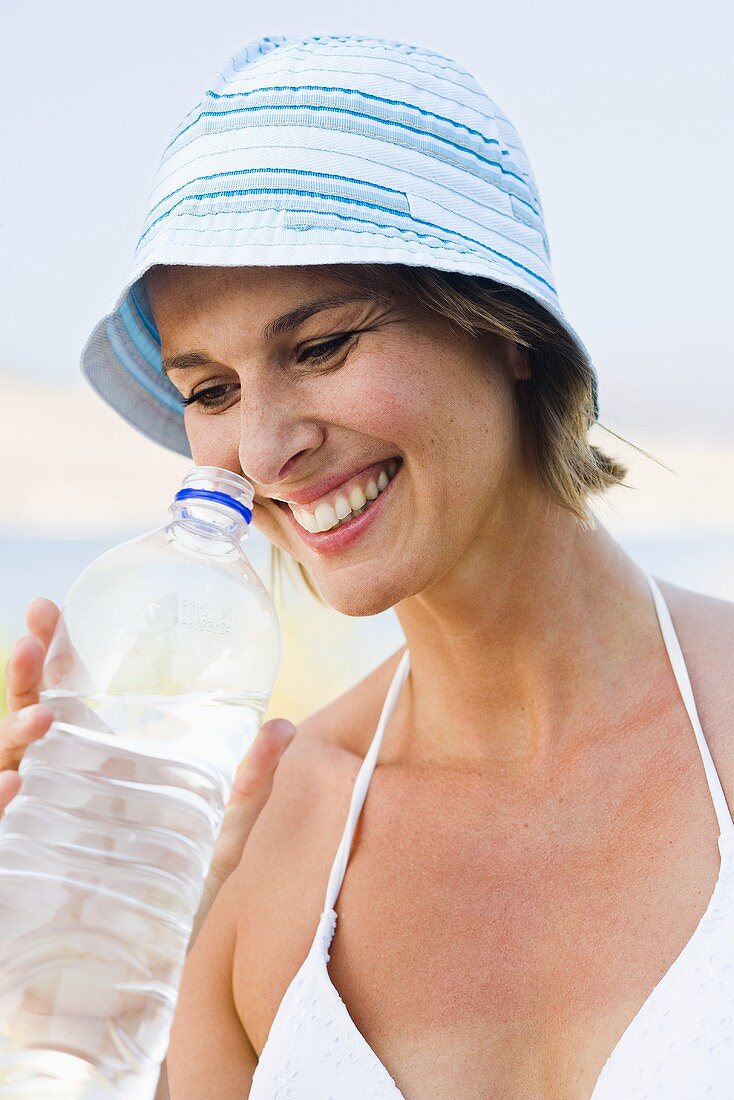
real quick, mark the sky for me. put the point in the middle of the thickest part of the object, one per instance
(624, 109)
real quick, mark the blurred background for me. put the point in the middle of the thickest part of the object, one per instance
(624, 110)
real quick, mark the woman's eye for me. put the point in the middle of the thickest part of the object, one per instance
(215, 396)
(210, 398)
(320, 352)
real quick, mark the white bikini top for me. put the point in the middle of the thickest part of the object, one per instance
(680, 1045)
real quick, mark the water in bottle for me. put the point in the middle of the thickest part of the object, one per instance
(159, 671)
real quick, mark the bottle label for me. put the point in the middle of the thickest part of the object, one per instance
(204, 617)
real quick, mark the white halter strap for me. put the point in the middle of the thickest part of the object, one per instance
(361, 784)
(678, 664)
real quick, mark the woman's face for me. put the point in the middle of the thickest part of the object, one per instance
(300, 378)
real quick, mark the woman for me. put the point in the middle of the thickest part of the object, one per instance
(344, 280)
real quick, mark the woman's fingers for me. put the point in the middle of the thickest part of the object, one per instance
(10, 783)
(23, 672)
(16, 733)
(41, 617)
(259, 762)
(24, 669)
(27, 719)
(250, 791)
(19, 729)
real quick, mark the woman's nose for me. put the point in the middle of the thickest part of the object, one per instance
(273, 440)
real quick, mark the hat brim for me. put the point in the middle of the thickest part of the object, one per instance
(122, 357)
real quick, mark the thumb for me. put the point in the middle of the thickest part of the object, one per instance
(261, 759)
(250, 791)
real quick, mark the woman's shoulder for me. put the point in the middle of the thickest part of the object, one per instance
(705, 628)
(316, 772)
(348, 722)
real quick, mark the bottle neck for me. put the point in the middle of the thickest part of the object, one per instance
(207, 525)
(212, 510)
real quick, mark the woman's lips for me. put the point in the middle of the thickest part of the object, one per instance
(330, 485)
(341, 536)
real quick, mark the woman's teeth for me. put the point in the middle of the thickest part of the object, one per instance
(346, 506)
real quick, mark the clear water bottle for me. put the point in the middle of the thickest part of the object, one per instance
(159, 673)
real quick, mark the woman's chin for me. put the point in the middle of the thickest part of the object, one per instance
(360, 596)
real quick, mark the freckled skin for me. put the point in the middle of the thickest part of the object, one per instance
(409, 386)
(538, 788)
(495, 586)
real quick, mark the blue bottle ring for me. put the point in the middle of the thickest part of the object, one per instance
(221, 498)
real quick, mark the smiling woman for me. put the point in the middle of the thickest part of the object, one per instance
(555, 411)
(343, 292)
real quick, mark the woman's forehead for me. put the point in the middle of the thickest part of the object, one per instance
(171, 288)
(185, 275)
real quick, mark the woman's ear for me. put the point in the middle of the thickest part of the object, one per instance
(518, 360)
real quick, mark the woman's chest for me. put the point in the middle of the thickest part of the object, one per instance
(487, 953)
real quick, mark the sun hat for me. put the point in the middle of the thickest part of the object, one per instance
(326, 150)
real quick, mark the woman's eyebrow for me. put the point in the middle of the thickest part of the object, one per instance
(188, 359)
(287, 322)
(295, 317)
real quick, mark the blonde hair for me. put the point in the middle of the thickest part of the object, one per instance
(555, 404)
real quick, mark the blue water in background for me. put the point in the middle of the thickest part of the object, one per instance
(38, 567)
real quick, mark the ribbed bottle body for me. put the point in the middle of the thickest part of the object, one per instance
(158, 674)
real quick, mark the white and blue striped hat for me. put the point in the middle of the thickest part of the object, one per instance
(326, 150)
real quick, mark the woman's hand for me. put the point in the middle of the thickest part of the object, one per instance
(28, 720)
(250, 791)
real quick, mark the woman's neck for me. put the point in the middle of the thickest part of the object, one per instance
(524, 652)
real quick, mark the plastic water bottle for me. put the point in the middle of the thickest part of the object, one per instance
(159, 672)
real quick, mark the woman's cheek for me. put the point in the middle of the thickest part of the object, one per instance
(383, 401)
(214, 441)
(270, 527)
